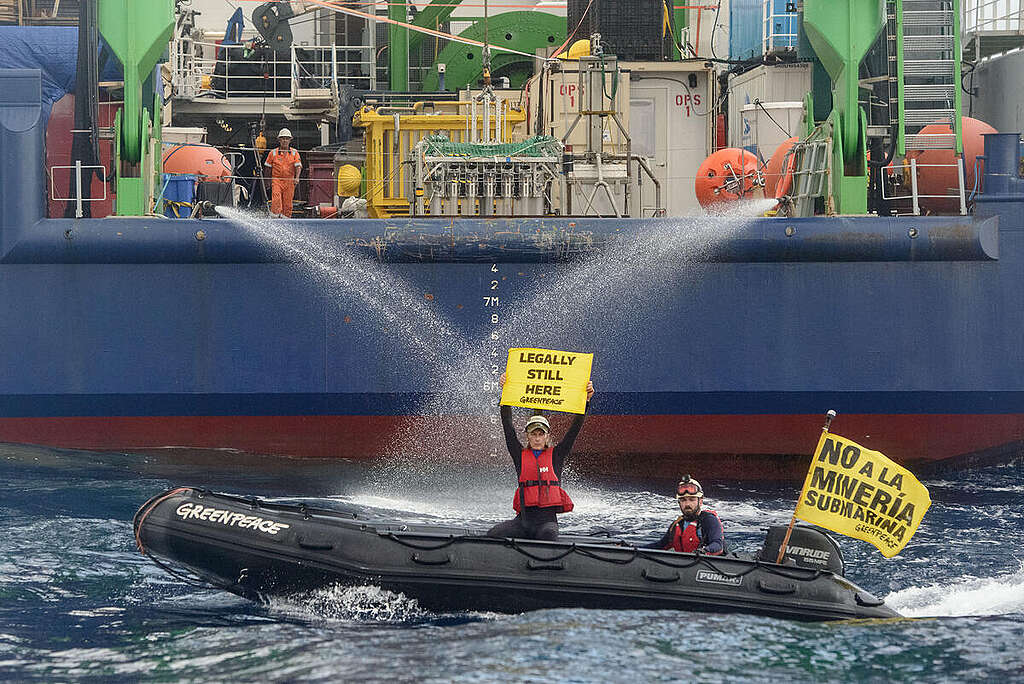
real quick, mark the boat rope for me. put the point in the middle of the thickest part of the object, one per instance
(451, 540)
(140, 516)
(679, 561)
(513, 543)
(617, 561)
(713, 563)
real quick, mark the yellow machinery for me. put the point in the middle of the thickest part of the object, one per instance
(392, 132)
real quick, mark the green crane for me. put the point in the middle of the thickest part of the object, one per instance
(137, 33)
(841, 33)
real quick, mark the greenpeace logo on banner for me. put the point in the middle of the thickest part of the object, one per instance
(190, 511)
(718, 578)
(862, 494)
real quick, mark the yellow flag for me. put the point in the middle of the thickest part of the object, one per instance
(862, 494)
(547, 379)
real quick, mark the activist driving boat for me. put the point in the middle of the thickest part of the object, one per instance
(261, 549)
(434, 232)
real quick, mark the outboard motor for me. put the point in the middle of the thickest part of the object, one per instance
(808, 547)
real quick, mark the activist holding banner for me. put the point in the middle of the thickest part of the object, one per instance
(698, 529)
(539, 496)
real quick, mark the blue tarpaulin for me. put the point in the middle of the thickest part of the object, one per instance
(54, 51)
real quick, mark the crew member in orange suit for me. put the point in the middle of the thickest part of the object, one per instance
(285, 167)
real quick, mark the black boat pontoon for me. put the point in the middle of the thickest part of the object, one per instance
(259, 549)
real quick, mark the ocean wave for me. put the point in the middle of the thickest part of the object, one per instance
(968, 596)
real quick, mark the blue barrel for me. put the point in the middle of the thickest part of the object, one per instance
(179, 192)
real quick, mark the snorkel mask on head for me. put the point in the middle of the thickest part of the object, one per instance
(688, 487)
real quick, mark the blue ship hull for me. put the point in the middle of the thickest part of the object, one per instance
(140, 332)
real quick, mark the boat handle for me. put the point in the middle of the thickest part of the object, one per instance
(534, 565)
(314, 544)
(417, 558)
(674, 577)
(776, 587)
(864, 598)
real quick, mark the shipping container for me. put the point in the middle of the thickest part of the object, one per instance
(672, 115)
(762, 27)
(561, 103)
(776, 83)
(765, 125)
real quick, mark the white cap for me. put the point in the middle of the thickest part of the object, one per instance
(284, 133)
(538, 422)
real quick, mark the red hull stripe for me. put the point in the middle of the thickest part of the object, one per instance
(907, 438)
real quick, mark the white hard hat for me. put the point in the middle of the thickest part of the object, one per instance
(285, 133)
(536, 422)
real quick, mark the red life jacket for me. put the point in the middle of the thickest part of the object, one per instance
(684, 537)
(538, 484)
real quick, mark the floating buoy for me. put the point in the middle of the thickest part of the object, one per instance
(777, 181)
(727, 175)
(203, 160)
(349, 181)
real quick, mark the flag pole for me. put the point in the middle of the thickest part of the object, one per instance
(792, 521)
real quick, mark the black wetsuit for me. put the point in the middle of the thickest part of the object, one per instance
(709, 531)
(534, 522)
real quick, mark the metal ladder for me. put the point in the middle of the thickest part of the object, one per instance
(924, 47)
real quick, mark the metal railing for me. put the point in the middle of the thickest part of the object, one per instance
(915, 196)
(992, 15)
(77, 196)
(391, 133)
(203, 70)
(779, 27)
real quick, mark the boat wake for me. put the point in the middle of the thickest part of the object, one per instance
(970, 596)
(349, 604)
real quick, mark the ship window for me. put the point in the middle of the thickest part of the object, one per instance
(642, 127)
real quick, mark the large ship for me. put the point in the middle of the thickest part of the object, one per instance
(720, 337)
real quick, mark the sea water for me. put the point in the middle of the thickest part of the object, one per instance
(79, 603)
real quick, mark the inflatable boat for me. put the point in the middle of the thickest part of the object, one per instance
(259, 549)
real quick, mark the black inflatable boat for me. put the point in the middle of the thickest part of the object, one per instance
(259, 549)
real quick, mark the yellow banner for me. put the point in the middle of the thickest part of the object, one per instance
(547, 379)
(862, 494)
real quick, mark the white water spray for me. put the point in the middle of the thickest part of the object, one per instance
(617, 283)
(342, 273)
(625, 279)
(349, 604)
(457, 373)
(969, 596)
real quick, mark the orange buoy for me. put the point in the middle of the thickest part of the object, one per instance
(727, 175)
(942, 179)
(203, 160)
(777, 180)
